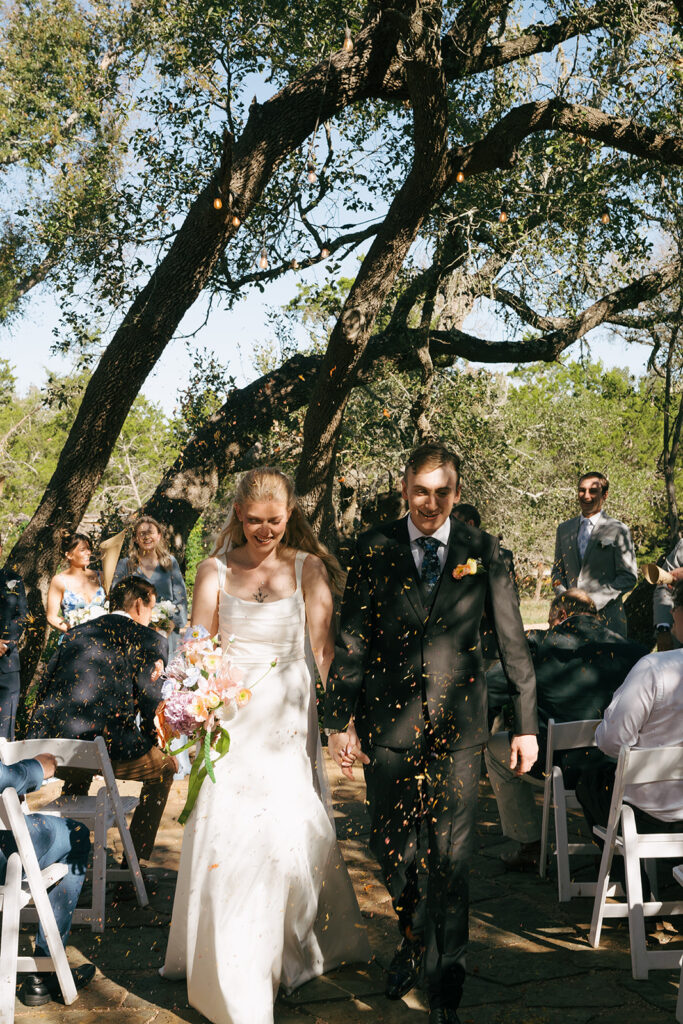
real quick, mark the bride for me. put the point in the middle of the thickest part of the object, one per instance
(263, 897)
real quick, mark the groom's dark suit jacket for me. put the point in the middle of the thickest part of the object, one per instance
(400, 652)
(97, 681)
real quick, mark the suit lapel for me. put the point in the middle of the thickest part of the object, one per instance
(459, 550)
(405, 570)
(572, 549)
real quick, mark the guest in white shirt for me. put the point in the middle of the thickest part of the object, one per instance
(646, 712)
(595, 553)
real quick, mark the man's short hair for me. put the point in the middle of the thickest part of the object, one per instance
(126, 592)
(432, 455)
(600, 477)
(468, 513)
(573, 602)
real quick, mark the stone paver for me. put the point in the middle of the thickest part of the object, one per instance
(530, 961)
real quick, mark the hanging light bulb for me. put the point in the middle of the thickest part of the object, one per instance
(235, 221)
(503, 215)
(217, 203)
(604, 216)
(324, 252)
(263, 262)
(312, 176)
(348, 41)
(460, 177)
(294, 264)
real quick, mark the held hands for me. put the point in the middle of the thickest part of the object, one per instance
(345, 750)
(523, 753)
(48, 763)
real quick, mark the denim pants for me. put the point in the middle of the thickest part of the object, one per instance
(55, 840)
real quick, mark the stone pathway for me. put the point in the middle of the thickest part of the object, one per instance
(529, 962)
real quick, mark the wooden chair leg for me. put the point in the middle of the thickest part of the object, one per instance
(99, 863)
(679, 1001)
(634, 896)
(561, 838)
(544, 826)
(601, 890)
(9, 939)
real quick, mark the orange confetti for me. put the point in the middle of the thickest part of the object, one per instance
(213, 866)
(385, 412)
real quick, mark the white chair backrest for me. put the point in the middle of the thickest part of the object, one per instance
(69, 753)
(572, 735)
(660, 764)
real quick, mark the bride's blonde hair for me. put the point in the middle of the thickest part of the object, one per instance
(269, 484)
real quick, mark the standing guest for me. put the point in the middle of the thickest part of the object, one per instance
(56, 841)
(77, 592)
(150, 558)
(13, 612)
(662, 602)
(96, 683)
(406, 696)
(645, 712)
(579, 663)
(595, 553)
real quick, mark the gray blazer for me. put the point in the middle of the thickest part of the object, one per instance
(663, 600)
(608, 570)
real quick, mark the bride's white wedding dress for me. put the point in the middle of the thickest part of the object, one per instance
(263, 896)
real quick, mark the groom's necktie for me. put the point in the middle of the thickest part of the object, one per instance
(431, 566)
(584, 535)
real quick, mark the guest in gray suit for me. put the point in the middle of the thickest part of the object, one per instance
(663, 601)
(595, 553)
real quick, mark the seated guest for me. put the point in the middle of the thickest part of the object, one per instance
(56, 841)
(579, 663)
(104, 674)
(13, 612)
(647, 712)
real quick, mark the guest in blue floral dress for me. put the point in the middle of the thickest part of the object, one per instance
(76, 594)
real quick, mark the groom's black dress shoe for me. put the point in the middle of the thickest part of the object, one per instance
(38, 989)
(443, 1015)
(403, 969)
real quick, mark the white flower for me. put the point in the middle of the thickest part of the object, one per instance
(12, 584)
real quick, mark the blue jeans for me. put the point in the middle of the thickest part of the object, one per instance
(55, 840)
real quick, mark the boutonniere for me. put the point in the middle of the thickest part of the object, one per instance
(12, 584)
(471, 567)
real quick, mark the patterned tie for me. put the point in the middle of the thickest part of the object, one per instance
(584, 535)
(431, 566)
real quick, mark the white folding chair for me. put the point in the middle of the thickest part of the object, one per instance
(635, 766)
(678, 875)
(100, 813)
(564, 736)
(14, 896)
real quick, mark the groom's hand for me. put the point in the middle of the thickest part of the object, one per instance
(345, 750)
(523, 753)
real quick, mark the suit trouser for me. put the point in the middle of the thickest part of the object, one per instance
(155, 770)
(10, 686)
(520, 817)
(56, 841)
(411, 795)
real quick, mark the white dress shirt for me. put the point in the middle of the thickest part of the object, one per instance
(442, 534)
(591, 522)
(647, 712)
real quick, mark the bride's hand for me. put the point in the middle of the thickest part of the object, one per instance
(345, 750)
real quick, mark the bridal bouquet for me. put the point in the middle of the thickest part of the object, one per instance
(201, 692)
(162, 617)
(77, 616)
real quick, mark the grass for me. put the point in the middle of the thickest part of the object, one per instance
(534, 613)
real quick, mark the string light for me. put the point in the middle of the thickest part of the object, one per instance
(294, 264)
(312, 177)
(460, 177)
(263, 262)
(604, 216)
(348, 41)
(503, 215)
(235, 221)
(217, 203)
(324, 252)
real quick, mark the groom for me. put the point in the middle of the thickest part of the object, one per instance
(406, 696)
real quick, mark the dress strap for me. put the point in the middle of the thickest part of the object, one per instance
(222, 571)
(299, 560)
